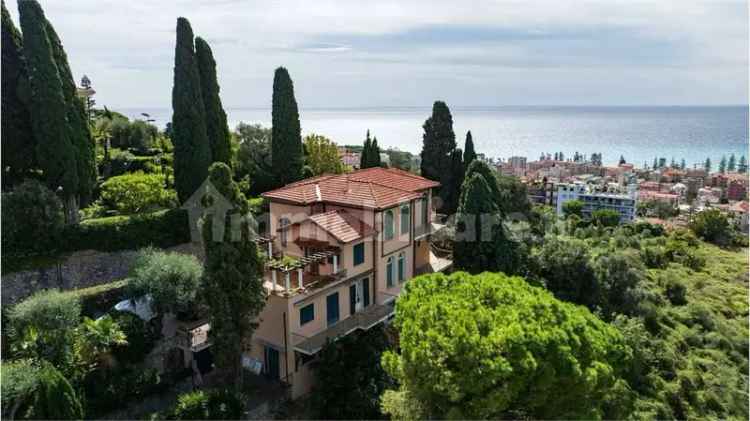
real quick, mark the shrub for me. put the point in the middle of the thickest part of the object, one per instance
(208, 405)
(141, 338)
(160, 229)
(172, 280)
(676, 292)
(55, 398)
(33, 219)
(138, 192)
(713, 226)
(108, 389)
(573, 207)
(605, 217)
(42, 326)
(655, 257)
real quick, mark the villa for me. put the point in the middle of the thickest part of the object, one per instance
(342, 247)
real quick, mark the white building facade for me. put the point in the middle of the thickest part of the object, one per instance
(596, 198)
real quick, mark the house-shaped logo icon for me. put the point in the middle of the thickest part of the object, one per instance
(207, 200)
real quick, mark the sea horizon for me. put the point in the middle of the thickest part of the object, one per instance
(639, 133)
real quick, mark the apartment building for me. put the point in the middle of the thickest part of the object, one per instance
(343, 246)
(600, 197)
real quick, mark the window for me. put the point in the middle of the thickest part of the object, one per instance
(425, 211)
(405, 219)
(389, 273)
(401, 264)
(388, 225)
(359, 254)
(283, 224)
(306, 314)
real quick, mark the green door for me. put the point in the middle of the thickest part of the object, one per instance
(272, 363)
(332, 308)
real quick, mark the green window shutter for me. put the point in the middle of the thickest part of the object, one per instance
(359, 254)
(405, 219)
(388, 225)
(307, 314)
(389, 273)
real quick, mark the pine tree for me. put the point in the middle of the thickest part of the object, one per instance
(216, 119)
(286, 144)
(732, 165)
(374, 154)
(78, 123)
(192, 151)
(481, 244)
(469, 153)
(656, 163)
(707, 165)
(438, 143)
(682, 164)
(622, 160)
(364, 158)
(742, 167)
(723, 164)
(55, 153)
(233, 283)
(17, 137)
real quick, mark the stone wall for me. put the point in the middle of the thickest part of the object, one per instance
(81, 269)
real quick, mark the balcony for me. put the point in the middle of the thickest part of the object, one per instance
(193, 335)
(363, 320)
(435, 264)
(437, 223)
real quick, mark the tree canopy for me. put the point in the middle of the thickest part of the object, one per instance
(438, 143)
(500, 348)
(322, 155)
(469, 154)
(216, 119)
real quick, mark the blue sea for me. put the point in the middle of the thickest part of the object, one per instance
(637, 133)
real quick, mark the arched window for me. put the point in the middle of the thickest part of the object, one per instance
(405, 219)
(389, 273)
(401, 267)
(388, 224)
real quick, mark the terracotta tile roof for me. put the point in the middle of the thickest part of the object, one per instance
(377, 188)
(743, 207)
(342, 225)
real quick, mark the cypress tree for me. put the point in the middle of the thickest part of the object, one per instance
(286, 143)
(216, 118)
(481, 168)
(55, 152)
(374, 154)
(480, 237)
(438, 142)
(469, 153)
(453, 187)
(723, 164)
(17, 136)
(707, 165)
(742, 166)
(192, 152)
(80, 133)
(233, 284)
(732, 165)
(364, 158)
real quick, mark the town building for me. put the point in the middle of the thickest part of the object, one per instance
(342, 247)
(739, 213)
(737, 190)
(595, 197)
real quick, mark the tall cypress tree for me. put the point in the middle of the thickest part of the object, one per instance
(192, 152)
(438, 142)
(469, 153)
(233, 282)
(364, 158)
(286, 143)
(452, 188)
(17, 136)
(78, 126)
(216, 118)
(374, 154)
(55, 152)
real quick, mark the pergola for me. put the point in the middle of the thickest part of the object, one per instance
(298, 264)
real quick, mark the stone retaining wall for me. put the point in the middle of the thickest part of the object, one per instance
(81, 269)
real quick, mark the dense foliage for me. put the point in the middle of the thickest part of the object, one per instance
(286, 140)
(438, 143)
(32, 219)
(370, 155)
(322, 155)
(136, 193)
(713, 226)
(216, 119)
(253, 159)
(573, 207)
(349, 378)
(492, 346)
(172, 280)
(192, 150)
(469, 153)
(207, 405)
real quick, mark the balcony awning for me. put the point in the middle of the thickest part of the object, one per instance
(363, 320)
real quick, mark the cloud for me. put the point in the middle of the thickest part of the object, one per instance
(393, 53)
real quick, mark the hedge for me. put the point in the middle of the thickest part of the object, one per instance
(99, 299)
(164, 228)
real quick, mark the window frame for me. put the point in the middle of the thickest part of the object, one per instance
(401, 267)
(389, 278)
(302, 320)
(354, 254)
(388, 225)
(405, 219)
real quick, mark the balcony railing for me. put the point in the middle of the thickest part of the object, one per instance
(193, 336)
(362, 320)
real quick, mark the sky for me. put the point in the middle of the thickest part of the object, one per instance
(389, 53)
